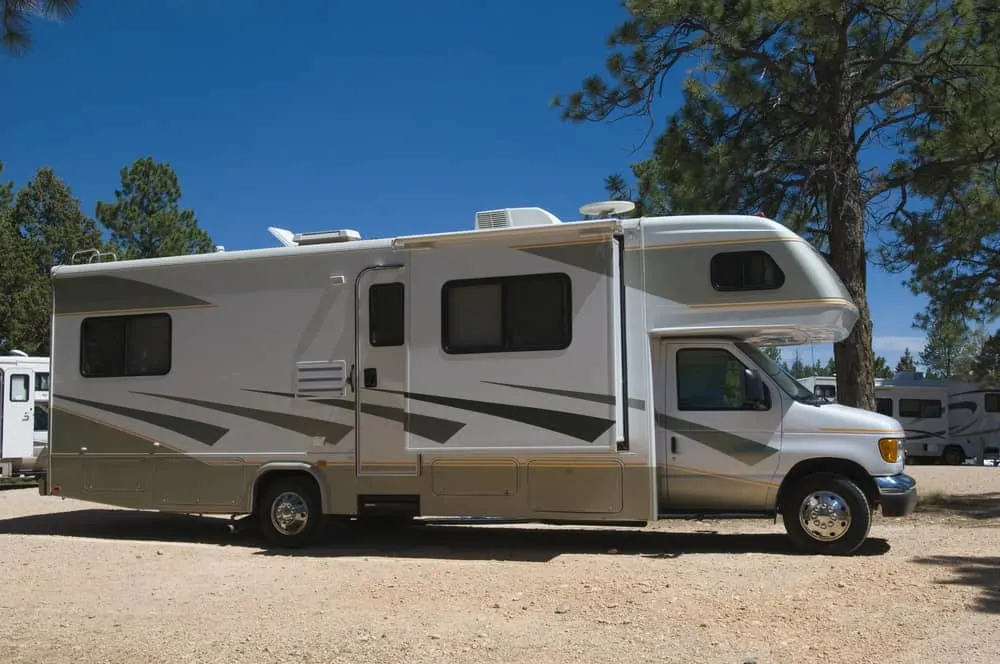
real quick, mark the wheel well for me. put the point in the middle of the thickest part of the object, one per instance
(849, 469)
(268, 478)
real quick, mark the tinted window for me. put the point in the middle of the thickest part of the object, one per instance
(745, 270)
(992, 402)
(507, 314)
(710, 379)
(919, 408)
(883, 406)
(42, 382)
(125, 346)
(19, 388)
(386, 314)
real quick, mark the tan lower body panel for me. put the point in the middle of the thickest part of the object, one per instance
(125, 469)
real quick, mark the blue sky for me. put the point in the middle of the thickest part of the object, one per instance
(389, 118)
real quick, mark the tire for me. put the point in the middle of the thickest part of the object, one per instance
(953, 456)
(290, 514)
(824, 533)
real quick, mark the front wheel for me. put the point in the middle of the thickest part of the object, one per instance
(827, 514)
(290, 513)
(953, 456)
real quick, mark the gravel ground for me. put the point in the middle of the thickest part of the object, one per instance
(88, 584)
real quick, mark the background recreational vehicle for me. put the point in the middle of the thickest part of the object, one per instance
(948, 421)
(596, 371)
(24, 396)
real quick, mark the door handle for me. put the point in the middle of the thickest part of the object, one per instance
(673, 444)
(371, 377)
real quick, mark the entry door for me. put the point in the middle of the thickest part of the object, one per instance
(380, 381)
(18, 414)
(721, 451)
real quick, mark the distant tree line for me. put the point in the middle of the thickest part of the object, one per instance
(42, 225)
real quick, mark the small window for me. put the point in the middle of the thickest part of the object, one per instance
(920, 408)
(992, 402)
(125, 346)
(744, 271)
(41, 419)
(19, 388)
(42, 382)
(385, 314)
(826, 391)
(883, 406)
(507, 314)
(710, 379)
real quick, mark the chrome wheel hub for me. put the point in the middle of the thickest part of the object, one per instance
(825, 516)
(289, 513)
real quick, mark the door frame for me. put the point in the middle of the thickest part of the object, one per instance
(355, 373)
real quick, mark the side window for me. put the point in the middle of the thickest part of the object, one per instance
(19, 388)
(992, 402)
(42, 382)
(710, 379)
(745, 271)
(507, 314)
(920, 408)
(113, 346)
(883, 406)
(386, 314)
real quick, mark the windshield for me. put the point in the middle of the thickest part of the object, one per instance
(780, 374)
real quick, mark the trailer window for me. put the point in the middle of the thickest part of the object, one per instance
(125, 346)
(883, 406)
(920, 408)
(710, 379)
(745, 270)
(19, 388)
(42, 382)
(991, 402)
(506, 314)
(385, 314)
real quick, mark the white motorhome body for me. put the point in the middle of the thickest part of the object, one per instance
(594, 371)
(24, 396)
(950, 421)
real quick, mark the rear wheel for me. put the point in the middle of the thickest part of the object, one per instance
(953, 456)
(289, 512)
(827, 514)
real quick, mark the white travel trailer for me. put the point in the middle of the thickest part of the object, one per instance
(596, 371)
(24, 396)
(948, 421)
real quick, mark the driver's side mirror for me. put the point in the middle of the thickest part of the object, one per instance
(755, 390)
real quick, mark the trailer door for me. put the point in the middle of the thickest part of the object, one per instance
(18, 413)
(381, 373)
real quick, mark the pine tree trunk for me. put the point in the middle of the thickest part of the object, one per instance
(853, 357)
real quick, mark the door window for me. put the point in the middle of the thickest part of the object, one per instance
(19, 388)
(710, 379)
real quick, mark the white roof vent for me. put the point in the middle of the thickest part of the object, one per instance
(509, 217)
(286, 238)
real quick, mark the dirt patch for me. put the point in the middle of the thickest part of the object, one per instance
(89, 584)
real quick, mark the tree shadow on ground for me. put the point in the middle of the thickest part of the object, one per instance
(419, 540)
(982, 572)
(973, 505)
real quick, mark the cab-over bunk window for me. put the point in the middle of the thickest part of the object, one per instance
(507, 314)
(745, 271)
(920, 408)
(114, 346)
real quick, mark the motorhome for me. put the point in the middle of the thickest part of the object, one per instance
(24, 396)
(605, 370)
(947, 421)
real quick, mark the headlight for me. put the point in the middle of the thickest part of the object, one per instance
(889, 449)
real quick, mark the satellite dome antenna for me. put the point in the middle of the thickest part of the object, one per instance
(606, 209)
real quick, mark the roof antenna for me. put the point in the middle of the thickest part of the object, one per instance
(606, 209)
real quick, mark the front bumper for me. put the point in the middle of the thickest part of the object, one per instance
(897, 494)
